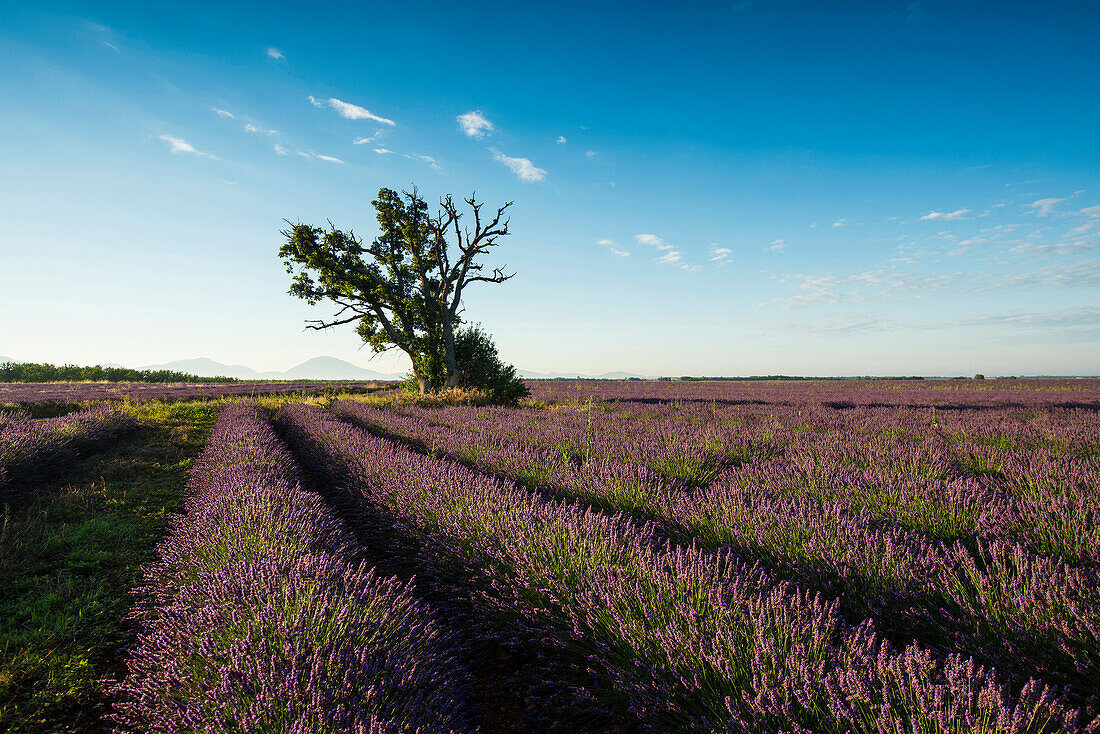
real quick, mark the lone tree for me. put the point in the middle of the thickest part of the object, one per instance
(405, 288)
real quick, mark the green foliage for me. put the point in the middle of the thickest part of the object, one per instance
(404, 290)
(34, 372)
(979, 376)
(481, 368)
(379, 286)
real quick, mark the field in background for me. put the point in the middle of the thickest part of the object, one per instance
(615, 556)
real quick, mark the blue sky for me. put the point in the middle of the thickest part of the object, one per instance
(748, 187)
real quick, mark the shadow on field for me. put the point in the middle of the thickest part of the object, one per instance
(902, 614)
(523, 678)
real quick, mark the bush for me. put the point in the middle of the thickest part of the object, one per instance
(480, 370)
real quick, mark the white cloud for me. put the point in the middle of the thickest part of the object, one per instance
(1045, 207)
(222, 113)
(475, 124)
(957, 214)
(311, 154)
(275, 53)
(522, 167)
(720, 255)
(426, 158)
(562, 140)
(372, 139)
(382, 151)
(279, 150)
(355, 112)
(840, 222)
(250, 128)
(590, 153)
(652, 240)
(1061, 248)
(314, 101)
(613, 247)
(182, 146)
(671, 257)
(777, 246)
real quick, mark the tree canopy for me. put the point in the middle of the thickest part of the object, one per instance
(404, 290)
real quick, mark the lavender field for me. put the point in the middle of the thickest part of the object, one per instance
(862, 556)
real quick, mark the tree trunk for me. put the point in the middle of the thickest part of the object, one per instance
(451, 361)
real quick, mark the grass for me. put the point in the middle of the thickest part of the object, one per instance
(69, 556)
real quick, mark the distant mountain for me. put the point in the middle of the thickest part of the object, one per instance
(528, 374)
(318, 368)
(328, 368)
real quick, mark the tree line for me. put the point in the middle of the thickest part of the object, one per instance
(42, 372)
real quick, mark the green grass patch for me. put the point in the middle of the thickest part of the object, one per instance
(69, 556)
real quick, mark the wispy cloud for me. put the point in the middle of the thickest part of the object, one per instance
(318, 156)
(891, 283)
(840, 223)
(222, 113)
(475, 124)
(250, 128)
(178, 145)
(914, 12)
(315, 102)
(777, 246)
(720, 255)
(652, 240)
(613, 247)
(672, 254)
(372, 139)
(527, 171)
(1045, 207)
(590, 153)
(382, 151)
(426, 159)
(562, 140)
(279, 150)
(957, 214)
(353, 111)
(1087, 316)
(275, 53)
(1058, 248)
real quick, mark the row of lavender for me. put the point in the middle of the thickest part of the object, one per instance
(259, 614)
(843, 393)
(1027, 612)
(79, 392)
(992, 474)
(35, 450)
(673, 637)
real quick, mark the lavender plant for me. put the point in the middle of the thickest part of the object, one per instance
(259, 614)
(32, 451)
(678, 638)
